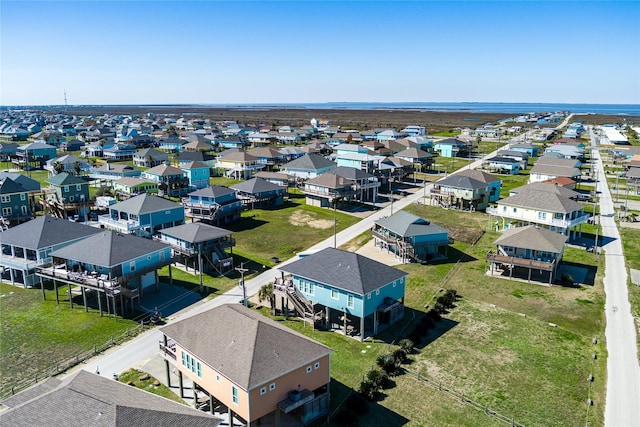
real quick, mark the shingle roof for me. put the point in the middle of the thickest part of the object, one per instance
(532, 237)
(461, 181)
(109, 248)
(212, 191)
(309, 162)
(250, 349)
(274, 175)
(256, 185)
(331, 180)
(86, 399)
(548, 187)
(352, 173)
(45, 231)
(554, 170)
(196, 232)
(144, 203)
(550, 161)
(65, 178)
(542, 200)
(131, 181)
(408, 225)
(238, 156)
(266, 152)
(478, 175)
(164, 170)
(414, 153)
(344, 270)
(194, 165)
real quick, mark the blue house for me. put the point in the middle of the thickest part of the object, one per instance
(530, 149)
(197, 173)
(143, 215)
(15, 206)
(410, 237)
(118, 265)
(71, 194)
(214, 205)
(452, 147)
(34, 155)
(260, 192)
(30, 244)
(344, 290)
(505, 165)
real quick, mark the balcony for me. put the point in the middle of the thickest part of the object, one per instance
(120, 225)
(168, 351)
(549, 220)
(538, 264)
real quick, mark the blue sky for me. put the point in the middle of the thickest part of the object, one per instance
(164, 52)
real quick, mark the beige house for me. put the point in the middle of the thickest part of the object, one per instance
(248, 365)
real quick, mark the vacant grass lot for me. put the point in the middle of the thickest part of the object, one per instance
(37, 334)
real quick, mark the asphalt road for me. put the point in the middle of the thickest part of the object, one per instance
(623, 372)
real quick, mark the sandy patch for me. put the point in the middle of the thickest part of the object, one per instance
(300, 219)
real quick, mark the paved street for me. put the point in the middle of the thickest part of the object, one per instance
(623, 372)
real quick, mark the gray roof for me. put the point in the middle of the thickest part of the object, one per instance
(309, 162)
(414, 153)
(555, 170)
(132, 181)
(451, 141)
(344, 270)
(408, 225)
(109, 248)
(164, 170)
(45, 231)
(85, 399)
(548, 187)
(542, 200)
(274, 175)
(633, 172)
(196, 232)
(514, 153)
(352, 173)
(550, 161)
(153, 153)
(461, 181)
(249, 349)
(144, 203)
(478, 175)
(533, 237)
(212, 191)
(256, 185)
(331, 180)
(499, 159)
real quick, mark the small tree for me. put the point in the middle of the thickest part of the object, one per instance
(369, 389)
(406, 345)
(378, 378)
(266, 293)
(58, 167)
(387, 363)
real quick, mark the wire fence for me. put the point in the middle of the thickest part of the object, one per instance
(66, 364)
(465, 399)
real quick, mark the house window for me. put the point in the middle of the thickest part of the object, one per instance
(132, 266)
(542, 215)
(369, 295)
(234, 394)
(78, 187)
(334, 294)
(191, 364)
(272, 386)
(23, 196)
(263, 390)
(167, 212)
(309, 369)
(6, 211)
(515, 210)
(316, 365)
(218, 378)
(66, 188)
(350, 301)
(24, 210)
(504, 209)
(5, 199)
(377, 292)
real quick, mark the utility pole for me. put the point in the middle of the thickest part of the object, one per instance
(595, 218)
(243, 270)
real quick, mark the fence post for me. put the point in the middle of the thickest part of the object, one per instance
(440, 385)
(95, 349)
(418, 374)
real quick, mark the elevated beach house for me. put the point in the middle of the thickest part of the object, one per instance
(466, 190)
(341, 290)
(15, 198)
(527, 251)
(249, 366)
(143, 215)
(214, 205)
(410, 237)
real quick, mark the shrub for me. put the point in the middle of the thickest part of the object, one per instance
(399, 356)
(387, 363)
(369, 389)
(406, 345)
(434, 315)
(378, 378)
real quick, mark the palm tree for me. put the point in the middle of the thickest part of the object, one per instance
(266, 293)
(76, 168)
(58, 167)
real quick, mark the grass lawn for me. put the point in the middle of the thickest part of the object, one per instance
(631, 245)
(148, 383)
(37, 334)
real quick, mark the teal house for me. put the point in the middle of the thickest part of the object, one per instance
(142, 215)
(452, 147)
(197, 173)
(15, 206)
(214, 205)
(71, 195)
(344, 291)
(410, 238)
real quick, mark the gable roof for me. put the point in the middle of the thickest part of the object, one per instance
(330, 180)
(408, 225)
(144, 203)
(542, 200)
(256, 185)
(109, 248)
(249, 350)
(554, 170)
(45, 231)
(86, 399)
(309, 162)
(132, 181)
(196, 232)
(352, 173)
(9, 186)
(344, 270)
(266, 152)
(164, 170)
(479, 175)
(152, 152)
(532, 237)
(194, 165)
(414, 153)
(547, 187)
(237, 156)
(461, 181)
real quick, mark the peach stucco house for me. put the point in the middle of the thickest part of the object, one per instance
(249, 365)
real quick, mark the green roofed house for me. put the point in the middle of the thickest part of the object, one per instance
(91, 400)
(15, 200)
(30, 244)
(527, 251)
(410, 237)
(341, 290)
(70, 195)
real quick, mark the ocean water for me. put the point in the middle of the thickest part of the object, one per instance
(479, 107)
